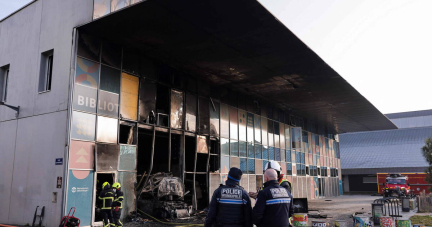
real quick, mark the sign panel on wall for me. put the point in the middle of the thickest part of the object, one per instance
(108, 103)
(83, 126)
(80, 192)
(81, 155)
(84, 98)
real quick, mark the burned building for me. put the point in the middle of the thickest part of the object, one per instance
(128, 89)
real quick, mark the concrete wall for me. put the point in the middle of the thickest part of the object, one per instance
(30, 144)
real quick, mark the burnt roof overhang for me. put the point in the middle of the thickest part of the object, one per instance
(240, 45)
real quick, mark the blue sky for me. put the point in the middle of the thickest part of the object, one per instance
(381, 47)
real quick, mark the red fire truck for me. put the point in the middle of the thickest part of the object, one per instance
(399, 184)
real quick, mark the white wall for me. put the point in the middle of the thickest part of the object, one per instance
(30, 145)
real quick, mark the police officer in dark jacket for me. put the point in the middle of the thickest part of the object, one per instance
(107, 197)
(230, 205)
(273, 205)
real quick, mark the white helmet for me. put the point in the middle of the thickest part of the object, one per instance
(273, 165)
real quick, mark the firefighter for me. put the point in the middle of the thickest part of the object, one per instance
(274, 205)
(107, 197)
(117, 204)
(230, 204)
(282, 182)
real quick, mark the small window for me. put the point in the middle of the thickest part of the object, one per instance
(45, 77)
(4, 77)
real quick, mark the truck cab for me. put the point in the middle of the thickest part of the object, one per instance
(396, 185)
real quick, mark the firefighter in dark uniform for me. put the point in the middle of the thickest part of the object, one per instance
(117, 204)
(274, 206)
(230, 205)
(106, 197)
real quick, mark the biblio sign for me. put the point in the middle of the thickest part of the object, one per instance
(85, 100)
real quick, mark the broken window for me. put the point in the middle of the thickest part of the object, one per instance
(234, 150)
(127, 158)
(131, 61)
(176, 109)
(190, 147)
(201, 188)
(204, 116)
(242, 149)
(162, 106)
(129, 96)
(224, 124)
(242, 125)
(145, 140)
(161, 153)
(175, 155)
(202, 145)
(214, 118)
(233, 123)
(128, 133)
(214, 164)
(107, 129)
(107, 156)
(264, 127)
(191, 109)
(111, 54)
(201, 163)
(147, 103)
(83, 126)
(214, 146)
(225, 146)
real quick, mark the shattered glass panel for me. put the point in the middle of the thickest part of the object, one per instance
(233, 123)
(191, 110)
(83, 126)
(251, 166)
(250, 127)
(107, 129)
(147, 102)
(129, 96)
(225, 146)
(243, 165)
(242, 149)
(176, 109)
(214, 119)
(257, 123)
(127, 157)
(107, 157)
(242, 125)
(127, 181)
(224, 120)
(202, 145)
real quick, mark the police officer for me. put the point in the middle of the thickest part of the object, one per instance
(282, 182)
(230, 204)
(107, 197)
(117, 204)
(273, 205)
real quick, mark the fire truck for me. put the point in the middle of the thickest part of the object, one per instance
(402, 184)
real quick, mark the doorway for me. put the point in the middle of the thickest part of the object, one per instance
(100, 179)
